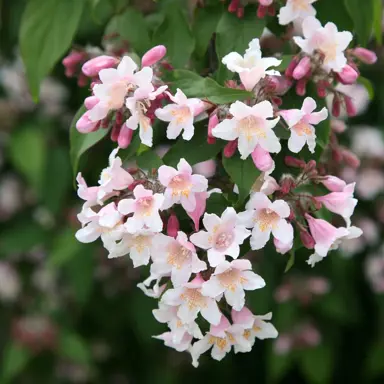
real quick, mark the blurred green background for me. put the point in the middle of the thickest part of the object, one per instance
(70, 315)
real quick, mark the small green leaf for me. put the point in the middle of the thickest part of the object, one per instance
(242, 172)
(46, 33)
(194, 85)
(291, 261)
(73, 347)
(149, 160)
(15, 359)
(362, 17)
(377, 17)
(335, 12)
(81, 142)
(195, 150)
(175, 34)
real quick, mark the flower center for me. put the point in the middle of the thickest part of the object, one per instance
(181, 114)
(117, 93)
(230, 278)
(300, 5)
(329, 49)
(145, 206)
(105, 176)
(302, 128)
(267, 219)
(219, 341)
(193, 298)
(178, 255)
(141, 242)
(180, 184)
(224, 240)
(250, 127)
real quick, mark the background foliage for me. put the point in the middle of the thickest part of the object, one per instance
(87, 320)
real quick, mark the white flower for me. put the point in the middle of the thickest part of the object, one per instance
(180, 115)
(265, 218)
(156, 289)
(252, 67)
(296, 9)
(251, 126)
(223, 236)
(327, 40)
(176, 257)
(300, 122)
(145, 208)
(231, 279)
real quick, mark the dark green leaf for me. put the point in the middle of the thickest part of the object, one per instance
(15, 359)
(334, 11)
(195, 150)
(242, 172)
(362, 17)
(317, 364)
(46, 33)
(217, 204)
(377, 17)
(194, 85)
(149, 160)
(374, 361)
(81, 142)
(175, 34)
(73, 347)
(291, 261)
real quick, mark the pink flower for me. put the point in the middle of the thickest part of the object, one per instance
(153, 56)
(365, 55)
(145, 208)
(296, 9)
(85, 124)
(251, 126)
(181, 185)
(334, 184)
(265, 218)
(262, 159)
(86, 193)
(231, 279)
(92, 67)
(205, 168)
(180, 115)
(177, 258)
(300, 122)
(281, 247)
(348, 75)
(169, 340)
(156, 291)
(341, 202)
(223, 236)
(327, 40)
(190, 302)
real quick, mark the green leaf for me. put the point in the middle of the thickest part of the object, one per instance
(46, 33)
(291, 261)
(175, 34)
(242, 172)
(149, 160)
(285, 60)
(377, 17)
(217, 204)
(374, 362)
(194, 85)
(131, 26)
(204, 25)
(317, 364)
(81, 142)
(15, 359)
(195, 150)
(73, 347)
(278, 365)
(127, 153)
(362, 17)
(335, 12)
(28, 152)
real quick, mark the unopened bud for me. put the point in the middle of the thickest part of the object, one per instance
(240, 12)
(307, 240)
(338, 126)
(73, 59)
(262, 159)
(261, 11)
(337, 155)
(230, 148)
(153, 56)
(321, 87)
(310, 166)
(125, 136)
(348, 75)
(291, 161)
(301, 87)
(291, 67)
(92, 67)
(234, 4)
(115, 132)
(266, 3)
(277, 100)
(336, 106)
(85, 125)
(90, 102)
(173, 226)
(365, 55)
(82, 80)
(350, 106)
(302, 69)
(286, 185)
(350, 158)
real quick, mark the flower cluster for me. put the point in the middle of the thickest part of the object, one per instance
(200, 276)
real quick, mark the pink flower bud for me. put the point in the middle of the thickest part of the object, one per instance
(234, 4)
(73, 59)
(85, 125)
(277, 100)
(334, 184)
(115, 132)
(302, 68)
(173, 226)
(321, 88)
(82, 80)
(90, 102)
(240, 12)
(230, 148)
(348, 75)
(350, 106)
(279, 84)
(153, 56)
(271, 10)
(125, 136)
(266, 3)
(350, 158)
(307, 239)
(261, 11)
(92, 67)
(336, 106)
(211, 140)
(310, 166)
(213, 121)
(286, 185)
(301, 86)
(199, 108)
(281, 247)
(337, 156)
(338, 126)
(365, 55)
(291, 161)
(262, 159)
(291, 67)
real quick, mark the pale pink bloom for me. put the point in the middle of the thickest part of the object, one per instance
(318, 285)
(370, 183)
(201, 202)
(169, 341)
(156, 291)
(176, 257)
(138, 105)
(114, 87)
(10, 283)
(254, 327)
(252, 67)
(283, 344)
(223, 236)
(153, 56)
(205, 168)
(231, 279)
(269, 185)
(281, 247)
(180, 115)
(91, 68)
(267, 218)
(374, 271)
(86, 193)
(251, 126)
(296, 9)
(220, 338)
(140, 246)
(85, 124)
(145, 208)
(368, 142)
(300, 122)
(341, 202)
(107, 224)
(334, 183)
(181, 185)
(114, 177)
(327, 40)
(190, 302)
(371, 232)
